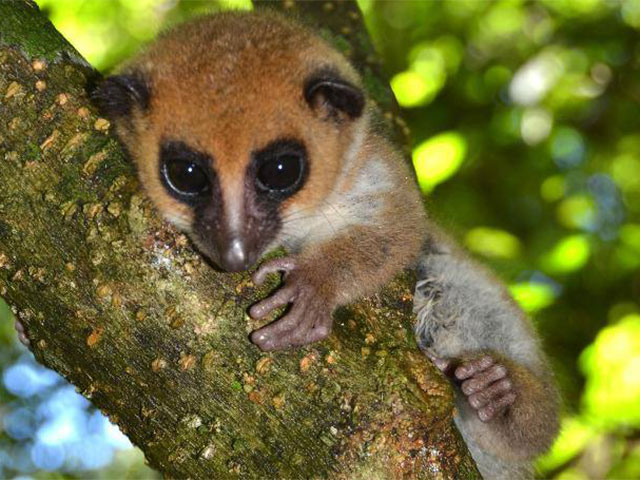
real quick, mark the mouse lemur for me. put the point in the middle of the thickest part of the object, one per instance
(250, 132)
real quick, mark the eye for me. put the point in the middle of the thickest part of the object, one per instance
(280, 169)
(281, 172)
(185, 177)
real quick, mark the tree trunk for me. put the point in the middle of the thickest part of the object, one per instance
(122, 306)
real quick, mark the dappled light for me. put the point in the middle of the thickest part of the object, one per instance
(611, 365)
(438, 158)
(568, 255)
(525, 120)
(492, 242)
(533, 296)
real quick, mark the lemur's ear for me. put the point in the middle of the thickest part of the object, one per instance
(118, 95)
(326, 89)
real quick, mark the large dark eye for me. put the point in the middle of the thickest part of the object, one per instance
(281, 167)
(281, 172)
(183, 170)
(185, 177)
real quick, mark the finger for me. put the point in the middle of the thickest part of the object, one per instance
(469, 369)
(285, 264)
(483, 397)
(484, 379)
(267, 343)
(316, 326)
(270, 343)
(299, 327)
(494, 408)
(282, 297)
(22, 334)
(277, 335)
(318, 333)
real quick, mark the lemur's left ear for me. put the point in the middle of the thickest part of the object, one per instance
(328, 90)
(117, 95)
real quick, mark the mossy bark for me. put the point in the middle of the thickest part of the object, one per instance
(124, 308)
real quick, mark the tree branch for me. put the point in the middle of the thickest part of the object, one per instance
(124, 308)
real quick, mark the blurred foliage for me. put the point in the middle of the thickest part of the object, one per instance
(527, 127)
(527, 141)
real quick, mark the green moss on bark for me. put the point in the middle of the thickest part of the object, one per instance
(124, 308)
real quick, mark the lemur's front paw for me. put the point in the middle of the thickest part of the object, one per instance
(486, 385)
(309, 317)
(22, 334)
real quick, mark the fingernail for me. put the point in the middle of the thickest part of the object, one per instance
(484, 416)
(441, 364)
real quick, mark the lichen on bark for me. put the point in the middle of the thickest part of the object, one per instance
(122, 306)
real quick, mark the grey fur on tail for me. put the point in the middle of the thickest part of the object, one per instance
(506, 400)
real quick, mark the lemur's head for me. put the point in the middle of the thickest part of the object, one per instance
(235, 122)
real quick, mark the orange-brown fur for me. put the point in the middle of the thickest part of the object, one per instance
(229, 89)
(231, 83)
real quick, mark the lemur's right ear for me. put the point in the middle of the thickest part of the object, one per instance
(327, 90)
(118, 95)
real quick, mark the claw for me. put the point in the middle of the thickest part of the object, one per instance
(22, 334)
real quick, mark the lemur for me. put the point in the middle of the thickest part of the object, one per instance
(251, 132)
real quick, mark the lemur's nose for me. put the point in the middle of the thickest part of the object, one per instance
(235, 258)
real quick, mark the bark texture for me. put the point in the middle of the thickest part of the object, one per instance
(125, 309)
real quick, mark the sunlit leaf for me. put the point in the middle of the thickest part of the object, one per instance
(365, 5)
(553, 188)
(568, 255)
(452, 51)
(496, 77)
(611, 364)
(438, 158)
(535, 125)
(577, 211)
(236, 4)
(630, 235)
(631, 13)
(572, 8)
(625, 170)
(411, 89)
(535, 78)
(502, 20)
(574, 435)
(492, 242)
(532, 296)
(567, 147)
